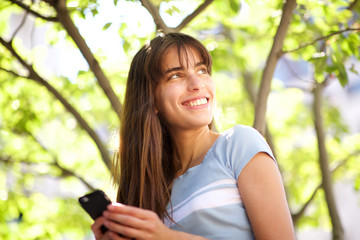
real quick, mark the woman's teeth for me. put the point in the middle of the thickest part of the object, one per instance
(197, 102)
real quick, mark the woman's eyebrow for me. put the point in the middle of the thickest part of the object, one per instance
(199, 64)
(174, 69)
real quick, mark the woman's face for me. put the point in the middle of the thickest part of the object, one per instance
(185, 94)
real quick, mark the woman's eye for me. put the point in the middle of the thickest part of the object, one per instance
(174, 76)
(202, 71)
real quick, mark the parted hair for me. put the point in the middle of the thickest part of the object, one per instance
(144, 168)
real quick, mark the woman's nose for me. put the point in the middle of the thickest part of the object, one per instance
(195, 82)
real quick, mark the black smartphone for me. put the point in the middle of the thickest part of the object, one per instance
(94, 204)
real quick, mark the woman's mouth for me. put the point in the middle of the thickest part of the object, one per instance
(196, 102)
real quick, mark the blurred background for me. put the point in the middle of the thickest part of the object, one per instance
(63, 70)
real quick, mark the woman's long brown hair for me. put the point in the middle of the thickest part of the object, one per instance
(144, 167)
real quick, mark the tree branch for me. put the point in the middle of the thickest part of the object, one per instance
(20, 26)
(353, 5)
(11, 72)
(65, 172)
(33, 75)
(263, 94)
(36, 14)
(66, 21)
(320, 38)
(154, 12)
(296, 216)
(194, 14)
(338, 231)
(161, 25)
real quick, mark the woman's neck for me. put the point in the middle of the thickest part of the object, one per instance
(190, 147)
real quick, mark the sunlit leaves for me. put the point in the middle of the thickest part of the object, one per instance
(318, 19)
(107, 25)
(351, 45)
(353, 70)
(83, 7)
(339, 68)
(38, 217)
(172, 9)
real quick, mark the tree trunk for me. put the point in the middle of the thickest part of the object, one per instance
(251, 91)
(275, 53)
(338, 232)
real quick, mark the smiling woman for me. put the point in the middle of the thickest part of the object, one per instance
(178, 179)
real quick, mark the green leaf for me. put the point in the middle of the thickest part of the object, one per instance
(340, 68)
(353, 70)
(320, 67)
(171, 10)
(234, 5)
(94, 12)
(82, 13)
(357, 184)
(115, 2)
(107, 25)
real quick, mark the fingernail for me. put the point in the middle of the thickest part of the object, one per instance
(113, 206)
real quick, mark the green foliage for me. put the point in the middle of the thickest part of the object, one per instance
(35, 216)
(83, 7)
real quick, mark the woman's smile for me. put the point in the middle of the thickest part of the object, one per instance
(198, 102)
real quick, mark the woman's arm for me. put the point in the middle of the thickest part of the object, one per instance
(135, 223)
(262, 191)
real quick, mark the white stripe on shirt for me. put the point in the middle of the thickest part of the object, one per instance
(203, 189)
(210, 199)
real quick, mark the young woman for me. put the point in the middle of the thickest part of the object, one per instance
(178, 179)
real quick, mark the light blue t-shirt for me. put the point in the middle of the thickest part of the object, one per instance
(205, 200)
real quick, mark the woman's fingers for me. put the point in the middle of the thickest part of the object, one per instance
(114, 227)
(116, 236)
(134, 222)
(96, 227)
(138, 218)
(130, 210)
(127, 225)
(123, 219)
(125, 231)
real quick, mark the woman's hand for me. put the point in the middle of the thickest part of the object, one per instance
(126, 222)
(96, 228)
(131, 222)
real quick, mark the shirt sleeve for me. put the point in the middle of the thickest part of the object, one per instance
(243, 143)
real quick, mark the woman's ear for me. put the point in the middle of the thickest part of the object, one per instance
(155, 108)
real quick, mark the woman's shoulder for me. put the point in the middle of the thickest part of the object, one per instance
(238, 145)
(240, 132)
(241, 138)
(238, 136)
